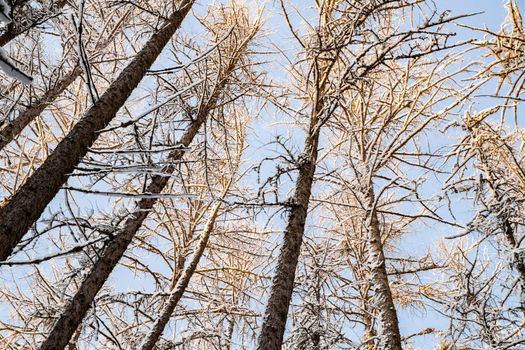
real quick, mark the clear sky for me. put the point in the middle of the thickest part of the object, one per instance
(492, 14)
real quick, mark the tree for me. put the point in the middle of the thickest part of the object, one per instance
(111, 254)
(43, 185)
(333, 70)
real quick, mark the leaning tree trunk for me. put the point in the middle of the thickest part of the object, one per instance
(29, 202)
(79, 305)
(381, 296)
(182, 283)
(13, 128)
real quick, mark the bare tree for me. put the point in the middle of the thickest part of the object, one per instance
(43, 185)
(72, 316)
(332, 71)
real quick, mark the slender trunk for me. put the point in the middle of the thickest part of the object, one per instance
(381, 296)
(229, 333)
(77, 308)
(182, 283)
(9, 131)
(507, 228)
(369, 333)
(14, 28)
(29, 202)
(274, 324)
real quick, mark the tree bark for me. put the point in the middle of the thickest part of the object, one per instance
(29, 202)
(507, 228)
(274, 324)
(182, 283)
(9, 131)
(77, 308)
(381, 296)
(14, 29)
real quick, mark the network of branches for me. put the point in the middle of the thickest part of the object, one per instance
(249, 174)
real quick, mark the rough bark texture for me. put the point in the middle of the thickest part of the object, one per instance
(508, 229)
(15, 127)
(77, 308)
(29, 202)
(274, 324)
(381, 296)
(182, 283)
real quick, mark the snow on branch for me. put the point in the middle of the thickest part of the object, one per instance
(5, 10)
(6, 64)
(11, 70)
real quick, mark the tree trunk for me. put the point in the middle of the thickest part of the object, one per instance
(77, 308)
(15, 127)
(274, 323)
(381, 296)
(182, 283)
(507, 228)
(29, 202)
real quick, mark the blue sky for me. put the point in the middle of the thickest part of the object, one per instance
(492, 16)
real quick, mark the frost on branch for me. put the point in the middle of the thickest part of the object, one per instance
(11, 70)
(6, 64)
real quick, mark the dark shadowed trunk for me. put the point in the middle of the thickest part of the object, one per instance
(81, 302)
(29, 202)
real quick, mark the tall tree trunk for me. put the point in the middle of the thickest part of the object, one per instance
(77, 308)
(381, 296)
(182, 283)
(274, 324)
(29, 202)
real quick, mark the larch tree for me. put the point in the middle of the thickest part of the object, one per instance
(43, 185)
(328, 174)
(226, 62)
(348, 44)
